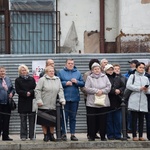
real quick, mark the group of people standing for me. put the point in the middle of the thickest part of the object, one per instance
(101, 79)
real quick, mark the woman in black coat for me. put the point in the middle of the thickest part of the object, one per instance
(114, 118)
(25, 86)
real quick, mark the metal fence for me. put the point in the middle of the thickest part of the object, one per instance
(11, 62)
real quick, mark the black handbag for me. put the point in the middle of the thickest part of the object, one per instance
(128, 92)
(12, 104)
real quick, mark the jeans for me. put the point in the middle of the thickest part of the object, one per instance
(23, 126)
(114, 124)
(70, 113)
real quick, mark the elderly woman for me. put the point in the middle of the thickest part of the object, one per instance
(138, 100)
(6, 92)
(25, 86)
(114, 121)
(46, 91)
(97, 84)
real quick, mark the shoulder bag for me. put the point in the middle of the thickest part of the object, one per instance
(128, 92)
(12, 104)
(100, 100)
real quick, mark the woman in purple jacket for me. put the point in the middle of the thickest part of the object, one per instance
(97, 83)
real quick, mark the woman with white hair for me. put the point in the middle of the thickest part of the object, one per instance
(25, 86)
(46, 91)
(97, 84)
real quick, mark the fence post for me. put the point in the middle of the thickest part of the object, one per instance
(58, 119)
(124, 130)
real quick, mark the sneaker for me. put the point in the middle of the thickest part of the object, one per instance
(32, 139)
(97, 137)
(64, 137)
(73, 138)
(23, 139)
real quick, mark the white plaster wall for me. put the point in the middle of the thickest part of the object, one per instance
(134, 17)
(84, 13)
(111, 20)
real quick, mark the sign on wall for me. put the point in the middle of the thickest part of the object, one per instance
(37, 68)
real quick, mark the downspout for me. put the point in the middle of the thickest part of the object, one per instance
(57, 50)
(102, 26)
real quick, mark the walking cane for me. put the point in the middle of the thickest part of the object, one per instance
(64, 119)
(35, 123)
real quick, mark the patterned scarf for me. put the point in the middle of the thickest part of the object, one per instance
(4, 85)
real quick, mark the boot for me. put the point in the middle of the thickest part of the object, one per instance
(46, 138)
(51, 137)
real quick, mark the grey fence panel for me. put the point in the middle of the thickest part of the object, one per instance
(11, 62)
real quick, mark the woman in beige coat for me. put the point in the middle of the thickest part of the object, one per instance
(46, 91)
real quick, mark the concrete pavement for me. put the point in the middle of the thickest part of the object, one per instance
(83, 143)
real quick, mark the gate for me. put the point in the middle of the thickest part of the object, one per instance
(30, 32)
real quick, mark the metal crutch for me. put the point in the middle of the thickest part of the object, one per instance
(64, 119)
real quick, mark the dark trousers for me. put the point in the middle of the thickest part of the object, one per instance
(23, 126)
(94, 120)
(137, 116)
(4, 120)
(147, 117)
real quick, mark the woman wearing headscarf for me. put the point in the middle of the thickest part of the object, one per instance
(6, 92)
(25, 86)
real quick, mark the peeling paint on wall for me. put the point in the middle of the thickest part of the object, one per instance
(134, 43)
(91, 42)
(145, 1)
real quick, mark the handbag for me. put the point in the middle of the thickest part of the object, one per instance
(12, 104)
(128, 92)
(100, 100)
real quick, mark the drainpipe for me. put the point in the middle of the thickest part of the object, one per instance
(102, 26)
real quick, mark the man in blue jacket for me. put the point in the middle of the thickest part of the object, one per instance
(71, 80)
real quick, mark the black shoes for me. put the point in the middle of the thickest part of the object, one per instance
(64, 137)
(48, 137)
(51, 137)
(103, 139)
(91, 139)
(73, 138)
(7, 139)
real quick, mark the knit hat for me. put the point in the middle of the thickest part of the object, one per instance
(95, 65)
(108, 66)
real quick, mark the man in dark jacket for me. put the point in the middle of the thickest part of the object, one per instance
(49, 62)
